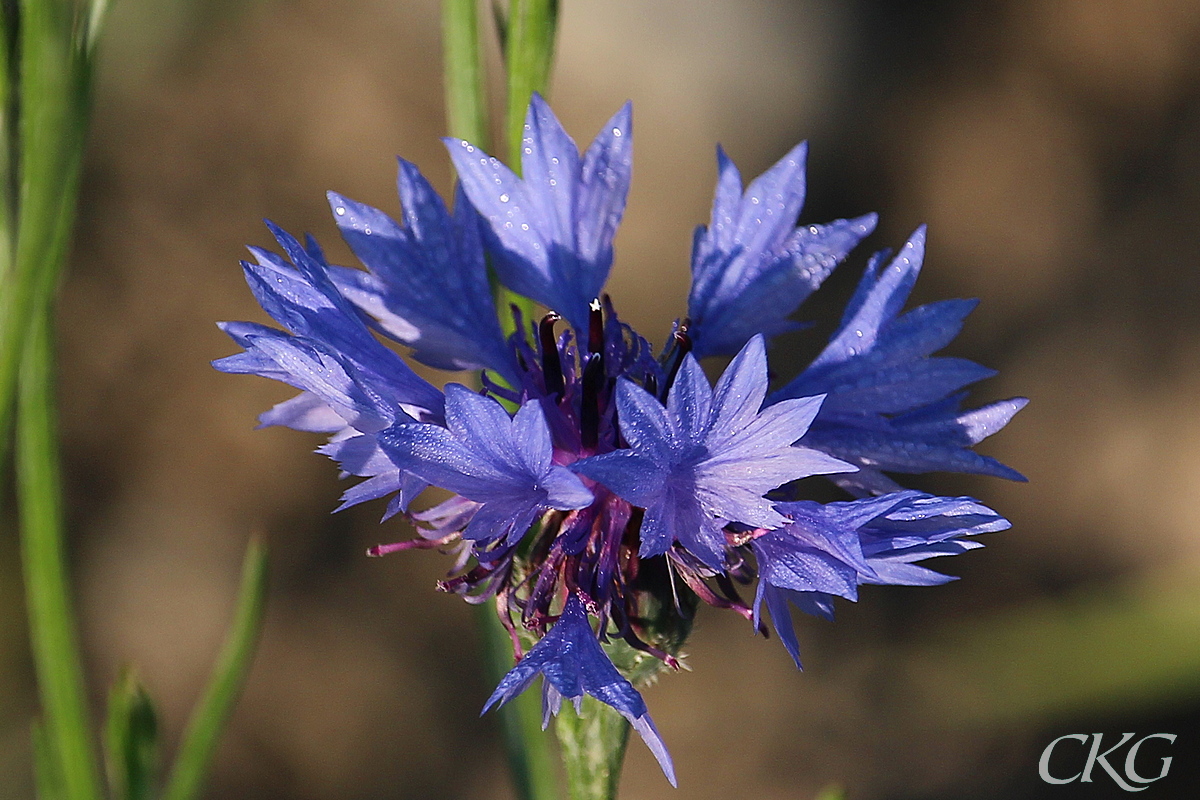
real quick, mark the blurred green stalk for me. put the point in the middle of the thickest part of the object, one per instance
(47, 69)
(67, 728)
(46, 51)
(528, 57)
(212, 712)
(466, 103)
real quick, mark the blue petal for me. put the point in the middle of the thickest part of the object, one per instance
(831, 549)
(483, 455)
(572, 661)
(794, 565)
(634, 477)
(741, 389)
(709, 457)
(679, 516)
(877, 301)
(904, 451)
(553, 230)
(428, 284)
(302, 297)
(304, 412)
(896, 389)
(644, 423)
(781, 618)
(817, 604)
(889, 405)
(312, 367)
(752, 267)
(690, 401)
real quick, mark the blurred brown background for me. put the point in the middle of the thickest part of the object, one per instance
(1052, 145)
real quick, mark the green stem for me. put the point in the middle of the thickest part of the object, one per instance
(528, 42)
(8, 139)
(229, 674)
(49, 74)
(528, 748)
(12, 316)
(466, 106)
(52, 80)
(51, 621)
(47, 781)
(530, 760)
(593, 749)
(528, 55)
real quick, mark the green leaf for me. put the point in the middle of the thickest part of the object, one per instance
(131, 740)
(210, 714)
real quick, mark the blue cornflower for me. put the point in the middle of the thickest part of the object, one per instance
(590, 478)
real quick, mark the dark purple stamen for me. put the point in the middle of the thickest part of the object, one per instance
(552, 372)
(595, 327)
(589, 409)
(696, 583)
(637, 644)
(729, 590)
(683, 346)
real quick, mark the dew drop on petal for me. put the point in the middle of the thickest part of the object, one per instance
(340, 211)
(616, 131)
(503, 198)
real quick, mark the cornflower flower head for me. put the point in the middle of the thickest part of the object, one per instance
(599, 491)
